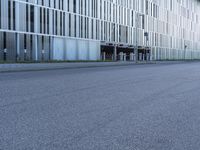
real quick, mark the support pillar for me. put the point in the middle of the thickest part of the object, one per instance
(104, 56)
(35, 48)
(131, 57)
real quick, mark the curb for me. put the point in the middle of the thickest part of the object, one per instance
(88, 65)
(70, 67)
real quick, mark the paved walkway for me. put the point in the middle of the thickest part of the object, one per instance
(51, 66)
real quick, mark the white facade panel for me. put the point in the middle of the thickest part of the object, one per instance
(58, 49)
(83, 49)
(71, 49)
(94, 53)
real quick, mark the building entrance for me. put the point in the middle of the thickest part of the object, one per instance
(107, 52)
(144, 54)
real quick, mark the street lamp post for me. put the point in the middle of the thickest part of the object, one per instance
(146, 35)
(136, 36)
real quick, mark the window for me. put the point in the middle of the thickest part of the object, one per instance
(40, 20)
(0, 14)
(74, 4)
(9, 14)
(32, 18)
(4, 40)
(14, 18)
(25, 46)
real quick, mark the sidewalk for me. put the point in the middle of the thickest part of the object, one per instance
(52, 66)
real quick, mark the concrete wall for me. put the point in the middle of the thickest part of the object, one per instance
(75, 49)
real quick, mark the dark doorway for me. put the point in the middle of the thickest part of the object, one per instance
(107, 52)
(125, 50)
(144, 54)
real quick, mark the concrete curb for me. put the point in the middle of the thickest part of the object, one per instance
(6, 68)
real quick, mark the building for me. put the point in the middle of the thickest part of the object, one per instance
(42, 30)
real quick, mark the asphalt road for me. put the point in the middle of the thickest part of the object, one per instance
(144, 107)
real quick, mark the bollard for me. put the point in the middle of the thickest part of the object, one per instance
(147, 57)
(104, 56)
(140, 56)
(121, 56)
(124, 56)
(134, 57)
(131, 57)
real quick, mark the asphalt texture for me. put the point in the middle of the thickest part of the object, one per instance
(139, 107)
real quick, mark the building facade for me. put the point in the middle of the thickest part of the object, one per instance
(42, 30)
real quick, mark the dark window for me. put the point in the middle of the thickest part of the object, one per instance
(44, 20)
(64, 23)
(4, 46)
(0, 14)
(86, 27)
(53, 22)
(92, 29)
(61, 19)
(69, 24)
(47, 21)
(25, 46)
(40, 20)
(68, 5)
(59, 4)
(4, 41)
(14, 18)
(32, 17)
(74, 6)
(27, 22)
(9, 14)
(143, 21)
(81, 26)
(75, 26)
(62, 5)
(56, 22)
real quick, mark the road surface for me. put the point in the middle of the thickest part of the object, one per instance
(144, 107)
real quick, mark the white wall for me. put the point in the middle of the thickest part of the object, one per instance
(58, 49)
(75, 49)
(83, 50)
(71, 49)
(94, 50)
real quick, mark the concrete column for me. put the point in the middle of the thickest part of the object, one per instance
(36, 47)
(140, 56)
(143, 57)
(104, 56)
(124, 56)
